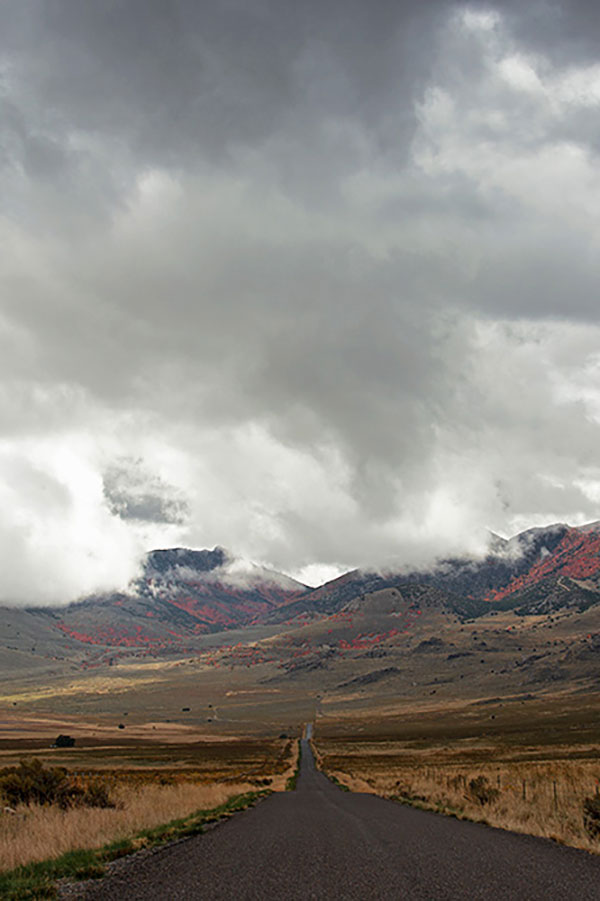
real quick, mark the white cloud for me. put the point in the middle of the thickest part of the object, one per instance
(57, 539)
(520, 74)
(479, 19)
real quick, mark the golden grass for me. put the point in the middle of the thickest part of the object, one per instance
(543, 798)
(40, 833)
(95, 685)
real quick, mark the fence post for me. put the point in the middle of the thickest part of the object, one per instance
(555, 798)
(524, 790)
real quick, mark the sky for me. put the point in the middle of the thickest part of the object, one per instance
(315, 282)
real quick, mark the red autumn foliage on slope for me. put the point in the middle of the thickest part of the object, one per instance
(173, 603)
(577, 556)
(168, 606)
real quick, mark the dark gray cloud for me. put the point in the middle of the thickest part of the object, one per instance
(134, 494)
(326, 273)
(180, 80)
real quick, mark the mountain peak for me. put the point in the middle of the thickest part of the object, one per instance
(166, 560)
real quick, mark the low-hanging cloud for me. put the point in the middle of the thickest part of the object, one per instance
(316, 284)
(132, 493)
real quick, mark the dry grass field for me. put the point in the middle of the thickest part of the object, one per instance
(525, 763)
(538, 797)
(38, 833)
(144, 796)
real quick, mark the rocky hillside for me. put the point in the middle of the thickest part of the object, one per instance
(182, 597)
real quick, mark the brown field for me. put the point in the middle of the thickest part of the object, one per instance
(163, 702)
(151, 784)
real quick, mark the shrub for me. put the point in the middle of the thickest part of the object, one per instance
(591, 816)
(64, 741)
(456, 782)
(481, 791)
(32, 783)
(96, 795)
(165, 779)
(402, 789)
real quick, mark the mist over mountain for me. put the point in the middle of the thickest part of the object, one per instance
(184, 598)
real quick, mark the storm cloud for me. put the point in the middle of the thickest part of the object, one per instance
(313, 282)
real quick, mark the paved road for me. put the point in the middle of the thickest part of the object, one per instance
(321, 843)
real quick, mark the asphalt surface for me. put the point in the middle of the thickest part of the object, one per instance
(322, 843)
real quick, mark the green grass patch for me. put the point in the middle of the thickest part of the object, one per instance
(290, 785)
(337, 782)
(39, 880)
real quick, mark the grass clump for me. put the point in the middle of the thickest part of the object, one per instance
(33, 783)
(290, 785)
(481, 791)
(591, 816)
(38, 880)
(337, 782)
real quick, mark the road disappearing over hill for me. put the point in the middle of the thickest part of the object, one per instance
(319, 842)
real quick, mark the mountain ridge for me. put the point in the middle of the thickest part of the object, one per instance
(184, 596)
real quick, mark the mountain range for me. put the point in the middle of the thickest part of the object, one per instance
(183, 598)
